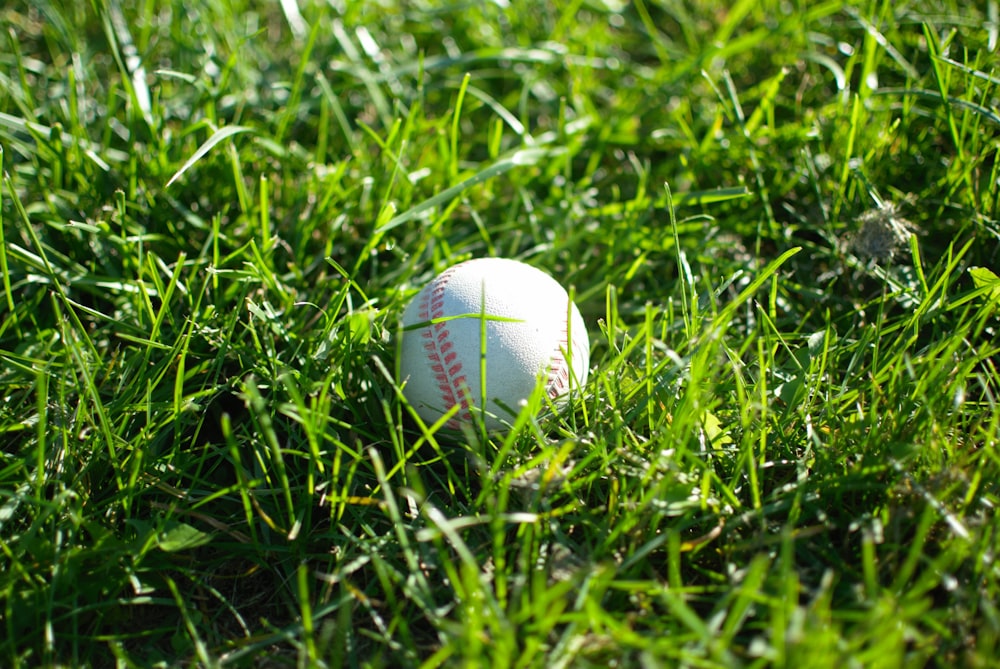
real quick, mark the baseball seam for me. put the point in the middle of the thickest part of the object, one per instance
(559, 369)
(445, 365)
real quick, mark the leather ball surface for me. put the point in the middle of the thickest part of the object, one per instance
(494, 315)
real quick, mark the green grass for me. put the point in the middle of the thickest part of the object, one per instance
(780, 222)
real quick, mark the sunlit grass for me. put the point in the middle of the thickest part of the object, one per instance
(779, 223)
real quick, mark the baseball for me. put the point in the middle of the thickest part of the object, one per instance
(491, 316)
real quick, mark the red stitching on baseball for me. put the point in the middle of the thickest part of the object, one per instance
(445, 367)
(558, 381)
(559, 368)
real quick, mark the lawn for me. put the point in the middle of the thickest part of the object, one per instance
(780, 222)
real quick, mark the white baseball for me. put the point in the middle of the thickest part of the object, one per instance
(541, 334)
